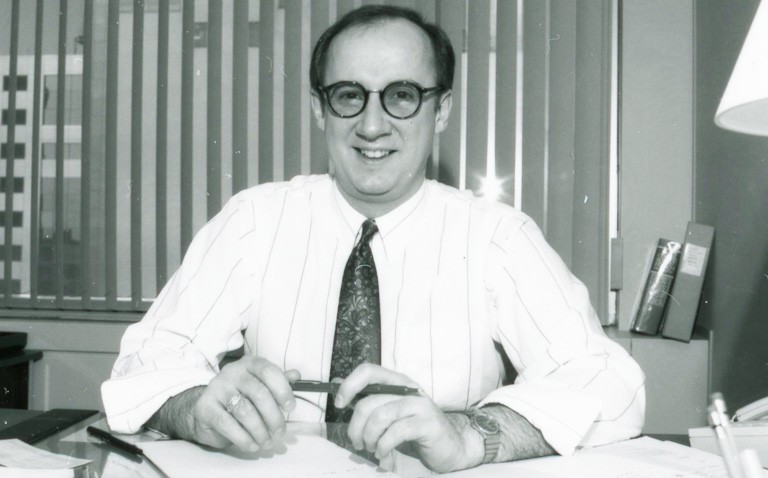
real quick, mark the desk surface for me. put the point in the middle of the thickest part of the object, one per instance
(108, 462)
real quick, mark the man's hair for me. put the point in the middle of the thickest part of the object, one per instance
(442, 51)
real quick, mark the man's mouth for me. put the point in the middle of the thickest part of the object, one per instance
(374, 153)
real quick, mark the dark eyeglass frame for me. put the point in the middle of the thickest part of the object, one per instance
(325, 91)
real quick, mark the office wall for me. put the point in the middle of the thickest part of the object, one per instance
(731, 191)
(655, 134)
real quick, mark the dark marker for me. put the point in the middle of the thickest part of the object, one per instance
(112, 440)
(333, 387)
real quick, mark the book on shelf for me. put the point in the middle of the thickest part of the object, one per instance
(683, 305)
(658, 285)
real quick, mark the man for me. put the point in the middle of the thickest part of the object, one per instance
(458, 284)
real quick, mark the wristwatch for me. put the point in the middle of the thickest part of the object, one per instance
(489, 428)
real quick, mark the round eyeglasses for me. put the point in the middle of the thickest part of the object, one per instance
(401, 100)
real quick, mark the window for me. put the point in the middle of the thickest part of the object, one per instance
(71, 151)
(17, 184)
(15, 252)
(73, 91)
(21, 83)
(19, 150)
(146, 131)
(21, 117)
(17, 218)
(15, 285)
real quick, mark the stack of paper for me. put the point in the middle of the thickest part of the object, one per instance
(639, 458)
(300, 456)
(20, 460)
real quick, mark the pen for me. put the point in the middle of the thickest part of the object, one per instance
(719, 403)
(112, 440)
(333, 387)
(730, 454)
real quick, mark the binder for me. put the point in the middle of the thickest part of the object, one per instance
(680, 315)
(658, 284)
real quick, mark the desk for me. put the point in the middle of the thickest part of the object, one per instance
(107, 462)
(110, 463)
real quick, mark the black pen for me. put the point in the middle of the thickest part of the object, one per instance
(112, 440)
(333, 387)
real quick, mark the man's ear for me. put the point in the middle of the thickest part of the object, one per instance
(443, 111)
(317, 110)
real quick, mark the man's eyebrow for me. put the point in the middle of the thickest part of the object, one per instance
(412, 81)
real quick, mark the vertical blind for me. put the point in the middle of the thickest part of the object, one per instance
(135, 120)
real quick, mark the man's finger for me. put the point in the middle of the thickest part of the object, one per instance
(401, 431)
(264, 405)
(216, 420)
(250, 419)
(292, 375)
(362, 414)
(382, 418)
(364, 375)
(275, 380)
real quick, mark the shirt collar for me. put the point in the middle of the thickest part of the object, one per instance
(386, 223)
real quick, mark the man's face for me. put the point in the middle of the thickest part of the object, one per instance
(380, 161)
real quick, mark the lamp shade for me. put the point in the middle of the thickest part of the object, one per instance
(744, 106)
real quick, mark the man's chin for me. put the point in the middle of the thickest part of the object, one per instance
(374, 195)
(373, 188)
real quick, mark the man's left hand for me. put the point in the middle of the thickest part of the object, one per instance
(380, 423)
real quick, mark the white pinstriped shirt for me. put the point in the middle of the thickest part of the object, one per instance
(460, 279)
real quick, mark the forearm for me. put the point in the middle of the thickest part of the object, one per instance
(519, 439)
(175, 418)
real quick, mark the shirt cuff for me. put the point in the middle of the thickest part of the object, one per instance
(131, 400)
(563, 416)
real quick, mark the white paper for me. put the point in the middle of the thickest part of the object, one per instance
(693, 259)
(300, 456)
(17, 454)
(122, 467)
(669, 455)
(640, 458)
(583, 465)
(33, 473)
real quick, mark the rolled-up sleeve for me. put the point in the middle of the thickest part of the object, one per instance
(574, 384)
(198, 316)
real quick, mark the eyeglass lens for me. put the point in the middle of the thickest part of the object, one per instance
(400, 100)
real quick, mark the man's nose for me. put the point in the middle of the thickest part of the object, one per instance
(374, 121)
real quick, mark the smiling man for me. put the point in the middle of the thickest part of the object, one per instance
(373, 275)
(375, 86)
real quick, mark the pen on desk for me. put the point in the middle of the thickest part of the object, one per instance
(727, 448)
(719, 403)
(333, 387)
(112, 440)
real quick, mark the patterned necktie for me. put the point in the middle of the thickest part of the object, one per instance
(358, 321)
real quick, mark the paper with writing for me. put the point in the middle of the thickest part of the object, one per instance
(300, 456)
(639, 458)
(16, 453)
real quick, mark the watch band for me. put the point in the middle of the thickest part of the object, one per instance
(489, 429)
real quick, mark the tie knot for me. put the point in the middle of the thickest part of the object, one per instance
(369, 229)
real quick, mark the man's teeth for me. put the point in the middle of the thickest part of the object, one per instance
(374, 154)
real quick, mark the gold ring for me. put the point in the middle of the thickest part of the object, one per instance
(232, 403)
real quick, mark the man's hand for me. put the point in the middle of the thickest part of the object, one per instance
(210, 416)
(444, 441)
(380, 423)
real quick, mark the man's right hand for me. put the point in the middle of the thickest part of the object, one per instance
(211, 416)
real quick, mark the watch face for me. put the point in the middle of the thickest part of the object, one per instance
(486, 422)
